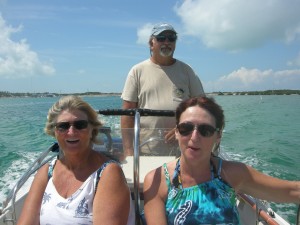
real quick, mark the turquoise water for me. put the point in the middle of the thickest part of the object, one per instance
(260, 131)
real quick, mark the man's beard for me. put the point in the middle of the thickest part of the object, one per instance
(165, 51)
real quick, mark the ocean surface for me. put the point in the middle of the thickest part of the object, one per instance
(262, 131)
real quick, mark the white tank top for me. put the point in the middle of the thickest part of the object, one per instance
(76, 209)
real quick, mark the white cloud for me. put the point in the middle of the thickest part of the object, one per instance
(144, 33)
(240, 24)
(17, 60)
(81, 72)
(245, 79)
(294, 62)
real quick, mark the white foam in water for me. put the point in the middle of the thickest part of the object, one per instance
(14, 172)
(284, 210)
(289, 214)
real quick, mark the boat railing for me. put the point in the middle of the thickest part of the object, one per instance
(132, 112)
(136, 166)
(38, 163)
(262, 211)
(298, 216)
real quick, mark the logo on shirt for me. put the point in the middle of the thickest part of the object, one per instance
(46, 198)
(82, 209)
(172, 193)
(183, 212)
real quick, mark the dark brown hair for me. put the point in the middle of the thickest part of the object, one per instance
(211, 106)
(206, 103)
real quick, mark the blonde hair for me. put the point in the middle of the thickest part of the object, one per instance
(72, 102)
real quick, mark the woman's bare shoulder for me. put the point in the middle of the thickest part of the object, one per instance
(157, 173)
(43, 172)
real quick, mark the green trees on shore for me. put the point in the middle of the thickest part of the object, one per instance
(268, 92)
(47, 94)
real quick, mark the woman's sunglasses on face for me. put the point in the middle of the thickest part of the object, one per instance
(170, 37)
(187, 128)
(78, 125)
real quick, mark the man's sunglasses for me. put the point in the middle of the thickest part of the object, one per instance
(162, 38)
(205, 130)
(78, 124)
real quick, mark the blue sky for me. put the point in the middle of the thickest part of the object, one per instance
(69, 46)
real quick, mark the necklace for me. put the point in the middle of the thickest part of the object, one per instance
(176, 177)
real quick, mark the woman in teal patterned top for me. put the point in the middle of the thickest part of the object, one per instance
(199, 187)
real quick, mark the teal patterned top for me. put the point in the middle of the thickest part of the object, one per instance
(211, 202)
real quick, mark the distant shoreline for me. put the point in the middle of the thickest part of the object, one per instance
(5, 94)
(49, 95)
(267, 92)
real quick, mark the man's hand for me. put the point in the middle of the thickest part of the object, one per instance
(170, 136)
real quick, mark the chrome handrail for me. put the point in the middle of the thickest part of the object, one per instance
(298, 216)
(136, 167)
(38, 163)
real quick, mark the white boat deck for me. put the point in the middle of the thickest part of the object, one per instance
(147, 163)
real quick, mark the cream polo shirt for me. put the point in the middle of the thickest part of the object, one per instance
(162, 88)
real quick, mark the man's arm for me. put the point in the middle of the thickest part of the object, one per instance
(127, 124)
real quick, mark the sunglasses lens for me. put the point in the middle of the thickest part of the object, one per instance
(172, 38)
(64, 126)
(162, 38)
(185, 129)
(206, 130)
(80, 124)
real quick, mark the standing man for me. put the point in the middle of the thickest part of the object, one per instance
(160, 83)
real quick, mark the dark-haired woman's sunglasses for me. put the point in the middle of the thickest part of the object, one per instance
(205, 130)
(78, 124)
(162, 38)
